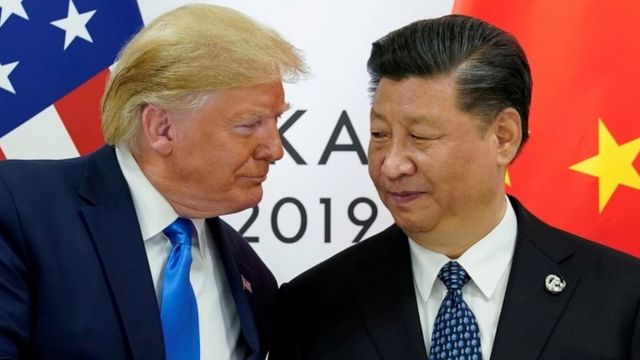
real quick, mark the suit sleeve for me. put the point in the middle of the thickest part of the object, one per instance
(285, 339)
(15, 293)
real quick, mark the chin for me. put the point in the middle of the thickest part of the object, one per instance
(254, 197)
(239, 200)
(411, 226)
(249, 202)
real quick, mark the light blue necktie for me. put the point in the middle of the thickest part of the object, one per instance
(179, 310)
(455, 333)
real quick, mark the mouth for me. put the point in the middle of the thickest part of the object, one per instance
(257, 178)
(404, 197)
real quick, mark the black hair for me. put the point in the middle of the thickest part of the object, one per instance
(490, 67)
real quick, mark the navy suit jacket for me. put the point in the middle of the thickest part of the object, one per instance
(361, 304)
(74, 277)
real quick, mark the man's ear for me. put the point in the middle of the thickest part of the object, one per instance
(156, 129)
(508, 133)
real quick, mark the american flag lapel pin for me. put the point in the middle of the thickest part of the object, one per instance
(246, 285)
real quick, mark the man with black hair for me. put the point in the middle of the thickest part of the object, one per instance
(466, 272)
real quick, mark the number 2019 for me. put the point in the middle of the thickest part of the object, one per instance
(364, 224)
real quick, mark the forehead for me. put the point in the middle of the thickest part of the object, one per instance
(416, 99)
(266, 99)
(415, 90)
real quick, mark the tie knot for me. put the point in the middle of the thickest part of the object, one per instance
(180, 231)
(453, 275)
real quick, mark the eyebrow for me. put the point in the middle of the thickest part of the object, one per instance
(377, 115)
(412, 119)
(282, 110)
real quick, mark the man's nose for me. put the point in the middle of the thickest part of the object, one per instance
(397, 162)
(271, 147)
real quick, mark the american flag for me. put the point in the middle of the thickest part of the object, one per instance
(54, 61)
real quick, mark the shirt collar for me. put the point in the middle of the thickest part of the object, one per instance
(485, 261)
(153, 210)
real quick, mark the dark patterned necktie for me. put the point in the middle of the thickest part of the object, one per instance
(455, 333)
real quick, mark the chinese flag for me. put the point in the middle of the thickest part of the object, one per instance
(580, 169)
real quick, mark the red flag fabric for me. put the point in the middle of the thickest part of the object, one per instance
(580, 169)
(80, 113)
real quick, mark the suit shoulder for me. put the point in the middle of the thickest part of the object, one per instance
(33, 172)
(40, 165)
(340, 265)
(35, 184)
(602, 257)
(559, 244)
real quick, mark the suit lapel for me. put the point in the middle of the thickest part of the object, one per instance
(529, 312)
(112, 223)
(240, 278)
(385, 295)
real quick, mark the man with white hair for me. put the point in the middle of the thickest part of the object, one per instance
(121, 254)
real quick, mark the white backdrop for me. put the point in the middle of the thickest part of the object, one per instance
(335, 37)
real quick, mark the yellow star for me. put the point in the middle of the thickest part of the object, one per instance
(613, 166)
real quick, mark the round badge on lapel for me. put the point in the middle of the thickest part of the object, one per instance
(554, 284)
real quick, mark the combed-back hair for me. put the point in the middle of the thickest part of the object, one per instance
(186, 53)
(490, 67)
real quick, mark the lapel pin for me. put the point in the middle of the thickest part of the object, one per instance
(554, 284)
(246, 285)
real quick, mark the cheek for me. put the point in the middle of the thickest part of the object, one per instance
(467, 172)
(375, 159)
(215, 166)
(199, 154)
(234, 154)
(444, 169)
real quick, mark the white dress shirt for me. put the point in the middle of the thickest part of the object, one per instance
(488, 263)
(219, 323)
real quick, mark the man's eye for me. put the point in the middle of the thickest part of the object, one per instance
(423, 137)
(250, 124)
(378, 134)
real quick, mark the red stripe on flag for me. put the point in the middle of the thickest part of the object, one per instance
(80, 113)
(584, 73)
(2, 157)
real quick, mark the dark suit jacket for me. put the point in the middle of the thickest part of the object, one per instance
(74, 277)
(361, 303)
